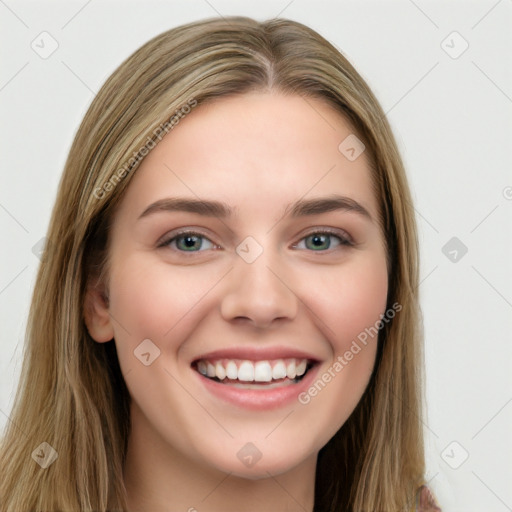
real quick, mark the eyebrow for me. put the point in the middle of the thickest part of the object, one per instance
(199, 206)
(328, 204)
(301, 208)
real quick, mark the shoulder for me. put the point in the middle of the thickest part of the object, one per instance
(425, 501)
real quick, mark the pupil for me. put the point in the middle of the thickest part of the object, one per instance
(190, 242)
(320, 241)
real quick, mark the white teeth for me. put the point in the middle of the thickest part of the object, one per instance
(201, 367)
(291, 371)
(301, 368)
(253, 371)
(220, 372)
(279, 370)
(246, 371)
(262, 372)
(210, 370)
(231, 370)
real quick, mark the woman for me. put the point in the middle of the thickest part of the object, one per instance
(226, 317)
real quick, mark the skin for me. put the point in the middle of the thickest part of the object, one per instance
(258, 153)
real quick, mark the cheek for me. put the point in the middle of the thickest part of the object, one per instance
(349, 303)
(363, 301)
(350, 299)
(152, 301)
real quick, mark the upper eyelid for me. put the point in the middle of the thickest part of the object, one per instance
(329, 231)
(337, 232)
(168, 237)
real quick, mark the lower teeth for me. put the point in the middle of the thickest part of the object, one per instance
(258, 385)
(253, 384)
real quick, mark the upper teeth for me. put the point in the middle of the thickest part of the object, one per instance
(253, 371)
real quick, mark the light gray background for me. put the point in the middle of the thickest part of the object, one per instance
(451, 116)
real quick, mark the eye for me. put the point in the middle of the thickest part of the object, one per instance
(322, 241)
(188, 241)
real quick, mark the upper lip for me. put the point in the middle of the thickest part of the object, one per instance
(257, 354)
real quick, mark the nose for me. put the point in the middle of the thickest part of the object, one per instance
(259, 294)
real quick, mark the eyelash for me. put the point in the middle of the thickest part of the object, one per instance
(344, 239)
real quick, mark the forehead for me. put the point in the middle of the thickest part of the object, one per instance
(255, 152)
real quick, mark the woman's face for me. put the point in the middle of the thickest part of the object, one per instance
(247, 248)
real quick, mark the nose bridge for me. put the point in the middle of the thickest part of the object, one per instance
(258, 290)
(257, 277)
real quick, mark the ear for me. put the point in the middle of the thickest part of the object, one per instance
(97, 315)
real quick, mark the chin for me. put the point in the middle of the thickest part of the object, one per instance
(274, 465)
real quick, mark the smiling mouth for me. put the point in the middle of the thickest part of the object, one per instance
(246, 374)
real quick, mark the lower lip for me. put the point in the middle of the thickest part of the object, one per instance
(259, 399)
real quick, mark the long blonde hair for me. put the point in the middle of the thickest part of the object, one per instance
(71, 393)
